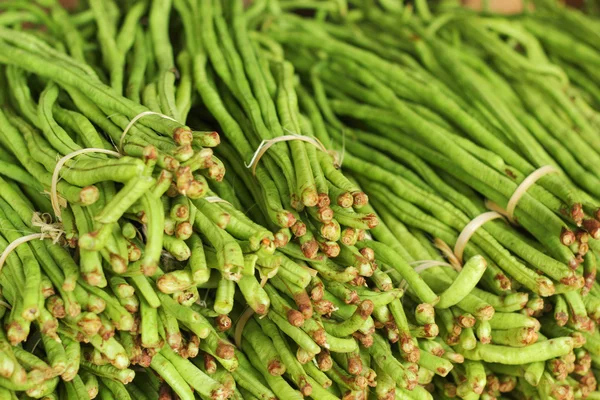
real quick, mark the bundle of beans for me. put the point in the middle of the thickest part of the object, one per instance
(132, 291)
(255, 102)
(156, 253)
(450, 113)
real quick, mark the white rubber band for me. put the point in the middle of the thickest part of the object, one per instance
(49, 229)
(215, 199)
(202, 302)
(53, 195)
(524, 186)
(61, 200)
(421, 266)
(338, 156)
(248, 313)
(5, 305)
(267, 143)
(37, 342)
(470, 229)
(13, 245)
(240, 325)
(136, 119)
(448, 253)
(490, 205)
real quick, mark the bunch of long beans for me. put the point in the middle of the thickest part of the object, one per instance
(431, 130)
(154, 271)
(132, 293)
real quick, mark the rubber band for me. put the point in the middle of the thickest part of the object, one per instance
(166, 255)
(136, 119)
(44, 222)
(448, 253)
(490, 205)
(267, 143)
(524, 186)
(340, 160)
(240, 325)
(215, 199)
(15, 243)
(249, 312)
(37, 342)
(338, 157)
(203, 302)
(48, 231)
(53, 195)
(421, 266)
(470, 229)
(61, 200)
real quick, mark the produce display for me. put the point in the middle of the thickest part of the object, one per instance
(333, 199)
